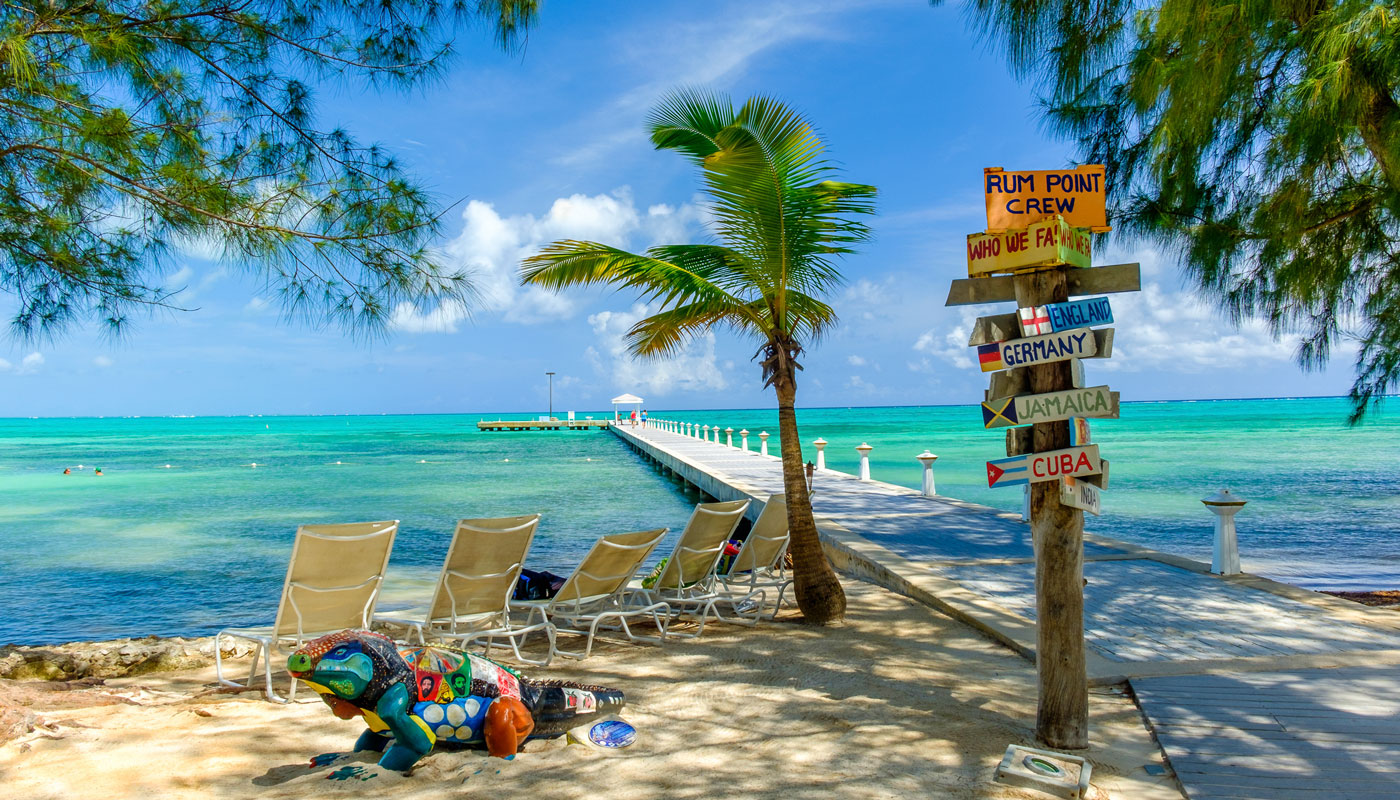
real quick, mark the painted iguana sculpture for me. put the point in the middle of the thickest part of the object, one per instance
(413, 697)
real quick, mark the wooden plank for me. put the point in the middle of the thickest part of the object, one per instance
(1100, 480)
(1080, 494)
(1096, 280)
(996, 328)
(1026, 409)
(1078, 343)
(1079, 314)
(1011, 382)
(1017, 199)
(1048, 243)
(1045, 466)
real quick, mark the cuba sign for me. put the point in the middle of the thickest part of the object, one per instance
(1051, 465)
(1043, 244)
(1077, 343)
(1017, 199)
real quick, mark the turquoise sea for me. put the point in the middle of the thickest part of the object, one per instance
(203, 544)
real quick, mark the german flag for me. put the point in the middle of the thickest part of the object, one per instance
(989, 356)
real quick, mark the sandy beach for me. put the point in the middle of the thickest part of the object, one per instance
(900, 701)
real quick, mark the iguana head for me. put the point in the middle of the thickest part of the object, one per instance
(336, 664)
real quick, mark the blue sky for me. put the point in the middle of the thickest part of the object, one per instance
(550, 143)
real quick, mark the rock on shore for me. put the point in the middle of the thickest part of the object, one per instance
(113, 659)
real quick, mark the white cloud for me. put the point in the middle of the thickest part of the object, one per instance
(860, 384)
(694, 369)
(27, 366)
(491, 247)
(257, 305)
(855, 361)
(951, 346)
(103, 361)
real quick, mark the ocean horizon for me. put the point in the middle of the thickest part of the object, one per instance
(203, 543)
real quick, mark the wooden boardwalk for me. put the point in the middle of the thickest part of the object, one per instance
(543, 425)
(1157, 620)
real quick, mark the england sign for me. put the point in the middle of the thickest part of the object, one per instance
(1078, 314)
(1047, 243)
(1095, 401)
(1078, 343)
(1047, 466)
(1017, 199)
(1081, 495)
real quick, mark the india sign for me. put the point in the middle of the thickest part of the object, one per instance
(1081, 494)
(1095, 401)
(1017, 199)
(1078, 314)
(1048, 466)
(1078, 343)
(1043, 244)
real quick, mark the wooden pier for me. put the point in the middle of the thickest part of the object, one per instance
(543, 425)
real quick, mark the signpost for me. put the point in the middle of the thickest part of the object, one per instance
(1041, 467)
(1017, 199)
(1079, 314)
(1050, 242)
(1081, 494)
(1095, 401)
(1038, 225)
(1078, 343)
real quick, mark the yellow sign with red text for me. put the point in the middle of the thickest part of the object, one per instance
(1017, 199)
(1043, 244)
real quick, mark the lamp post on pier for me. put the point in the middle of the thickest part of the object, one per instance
(551, 394)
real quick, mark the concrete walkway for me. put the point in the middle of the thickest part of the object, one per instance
(1148, 614)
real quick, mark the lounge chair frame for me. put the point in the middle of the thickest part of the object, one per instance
(573, 612)
(464, 629)
(288, 630)
(759, 564)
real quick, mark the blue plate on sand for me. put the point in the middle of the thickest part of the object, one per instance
(612, 733)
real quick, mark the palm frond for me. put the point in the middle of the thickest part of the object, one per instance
(666, 332)
(689, 120)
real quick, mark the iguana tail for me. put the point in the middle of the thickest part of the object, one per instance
(558, 706)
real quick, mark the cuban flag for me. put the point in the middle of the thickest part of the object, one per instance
(1035, 321)
(989, 357)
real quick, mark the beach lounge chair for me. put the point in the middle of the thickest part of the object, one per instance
(759, 564)
(596, 595)
(471, 600)
(688, 583)
(332, 584)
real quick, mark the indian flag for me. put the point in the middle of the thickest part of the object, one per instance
(989, 357)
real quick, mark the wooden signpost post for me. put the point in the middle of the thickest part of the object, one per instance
(1038, 226)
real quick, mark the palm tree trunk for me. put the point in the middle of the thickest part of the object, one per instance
(818, 591)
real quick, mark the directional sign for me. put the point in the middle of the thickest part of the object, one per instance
(1095, 401)
(1047, 466)
(1047, 243)
(1017, 199)
(1011, 382)
(1077, 314)
(998, 288)
(1079, 432)
(1078, 343)
(1081, 494)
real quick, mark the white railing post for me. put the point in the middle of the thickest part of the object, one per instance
(744, 439)
(1225, 560)
(926, 458)
(716, 439)
(821, 453)
(728, 437)
(763, 443)
(706, 433)
(864, 450)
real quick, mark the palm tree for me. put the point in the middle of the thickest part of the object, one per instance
(780, 224)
